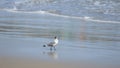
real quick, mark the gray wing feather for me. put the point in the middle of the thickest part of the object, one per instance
(51, 44)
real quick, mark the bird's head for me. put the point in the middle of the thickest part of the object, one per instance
(55, 37)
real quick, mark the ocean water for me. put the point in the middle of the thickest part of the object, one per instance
(107, 10)
(88, 30)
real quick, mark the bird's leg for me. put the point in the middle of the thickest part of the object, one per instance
(54, 48)
(51, 48)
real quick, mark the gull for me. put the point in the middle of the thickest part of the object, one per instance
(52, 44)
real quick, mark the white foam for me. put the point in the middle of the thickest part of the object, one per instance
(10, 10)
(23, 11)
(85, 18)
(103, 21)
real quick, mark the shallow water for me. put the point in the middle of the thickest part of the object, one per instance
(22, 34)
(74, 34)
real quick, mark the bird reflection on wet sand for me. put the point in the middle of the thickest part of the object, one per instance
(51, 54)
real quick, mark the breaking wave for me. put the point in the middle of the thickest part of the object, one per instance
(89, 10)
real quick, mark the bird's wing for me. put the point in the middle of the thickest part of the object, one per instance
(51, 43)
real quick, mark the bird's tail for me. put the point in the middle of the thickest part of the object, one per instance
(44, 45)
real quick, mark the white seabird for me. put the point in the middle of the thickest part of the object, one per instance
(52, 44)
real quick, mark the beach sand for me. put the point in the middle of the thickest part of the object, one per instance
(23, 63)
(9, 62)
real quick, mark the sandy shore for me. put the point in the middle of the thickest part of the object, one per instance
(6, 62)
(17, 63)
(23, 63)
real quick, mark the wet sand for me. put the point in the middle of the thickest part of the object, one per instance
(83, 44)
(24, 53)
(8, 62)
(18, 63)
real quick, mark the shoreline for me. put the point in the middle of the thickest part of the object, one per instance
(10, 62)
(27, 53)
